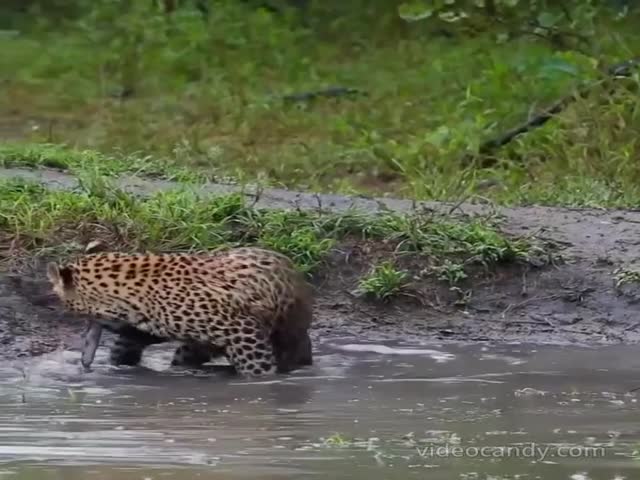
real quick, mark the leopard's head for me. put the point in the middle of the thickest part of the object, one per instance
(64, 279)
(63, 282)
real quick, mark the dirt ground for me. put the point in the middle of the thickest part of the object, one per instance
(573, 301)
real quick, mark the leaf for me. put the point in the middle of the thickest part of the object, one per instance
(502, 38)
(414, 11)
(438, 137)
(548, 19)
(558, 66)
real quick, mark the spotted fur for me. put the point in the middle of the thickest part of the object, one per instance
(248, 304)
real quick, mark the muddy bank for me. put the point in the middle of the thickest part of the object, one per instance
(575, 301)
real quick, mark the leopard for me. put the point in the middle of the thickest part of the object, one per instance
(248, 304)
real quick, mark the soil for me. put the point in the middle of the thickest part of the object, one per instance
(574, 301)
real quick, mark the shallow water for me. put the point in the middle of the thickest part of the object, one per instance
(363, 411)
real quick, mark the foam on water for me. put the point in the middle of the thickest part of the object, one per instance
(436, 355)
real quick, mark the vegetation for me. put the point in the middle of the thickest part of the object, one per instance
(14, 154)
(384, 281)
(623, 276)
(405, 98)
(451, 272)
(336, 440)
(44, 221)
(213, 89)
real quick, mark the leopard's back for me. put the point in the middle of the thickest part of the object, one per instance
(181, 288)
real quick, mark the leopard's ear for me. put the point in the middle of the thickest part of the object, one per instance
(60, 276)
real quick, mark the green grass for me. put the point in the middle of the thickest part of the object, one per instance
(47, 221)
(207, 100)
(451, 272)
(384, 281)
(81, 161)
(337, 440)
(625, 276)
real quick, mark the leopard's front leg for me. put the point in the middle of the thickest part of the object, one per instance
(129, 345)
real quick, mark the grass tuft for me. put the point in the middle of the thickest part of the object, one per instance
(181, 220)
(83, 162)
(384, 282)
(625, 276)
(451, 272)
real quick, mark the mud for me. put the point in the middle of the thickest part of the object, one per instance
(575, 301)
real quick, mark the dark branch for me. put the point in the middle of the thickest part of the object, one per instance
(620, 70)
(331, 92)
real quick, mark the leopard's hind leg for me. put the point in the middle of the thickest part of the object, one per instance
(250, 349)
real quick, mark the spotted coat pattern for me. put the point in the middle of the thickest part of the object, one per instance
(248, 304)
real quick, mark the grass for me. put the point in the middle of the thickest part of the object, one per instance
(337, 440)
(182, 96)
(625, 276)
(43, 221)
(81, 161)
(451, 272)
(384, 282)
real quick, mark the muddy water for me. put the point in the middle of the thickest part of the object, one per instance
(363, 411)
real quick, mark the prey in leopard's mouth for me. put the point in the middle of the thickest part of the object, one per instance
(90, 343)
